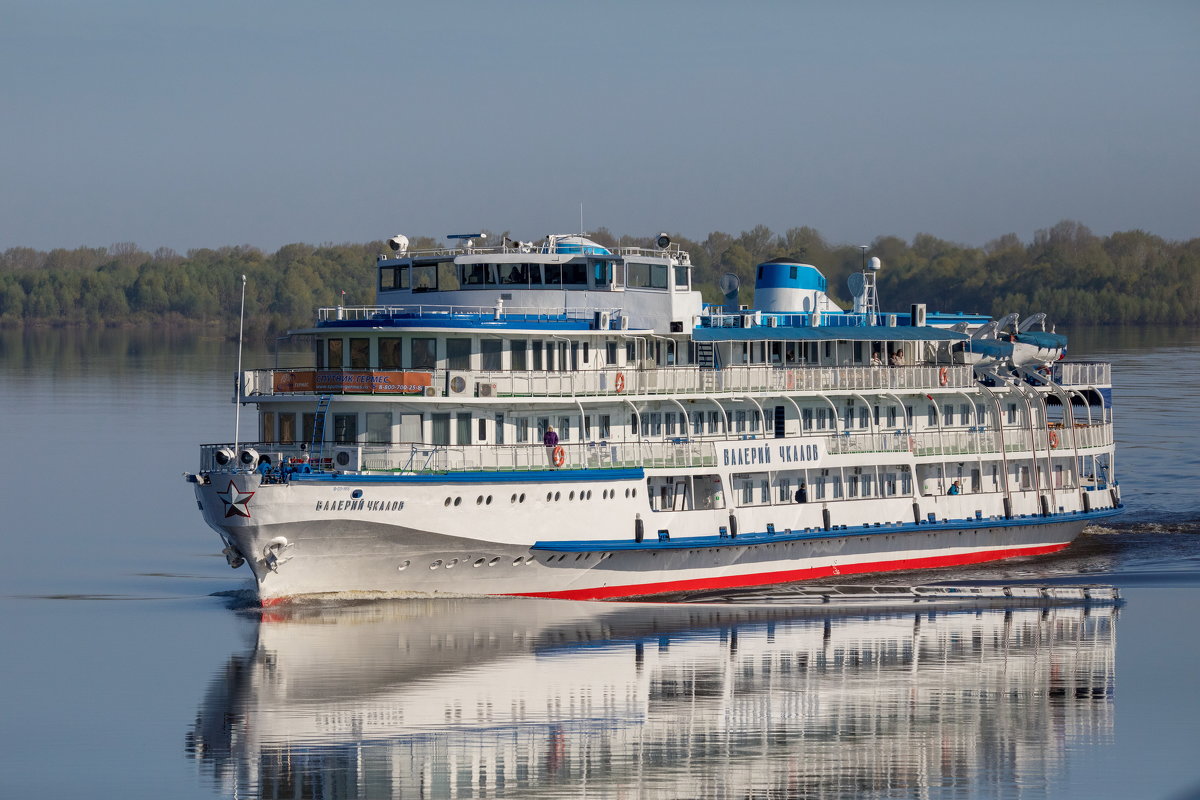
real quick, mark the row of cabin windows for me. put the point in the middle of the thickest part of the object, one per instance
(422, 354)
(448, 277)
(377, 425)
(459, 353)
(813, 486)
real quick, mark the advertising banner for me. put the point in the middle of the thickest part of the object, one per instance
(303, 381)
(372, 382)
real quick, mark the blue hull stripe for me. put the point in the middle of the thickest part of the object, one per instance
(533, 476)
(759, 537)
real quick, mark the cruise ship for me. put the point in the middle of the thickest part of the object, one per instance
(564, 419)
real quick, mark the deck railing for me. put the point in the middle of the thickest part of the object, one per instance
(678, 453)
(631, 382)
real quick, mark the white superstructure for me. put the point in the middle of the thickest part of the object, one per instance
(563, 419)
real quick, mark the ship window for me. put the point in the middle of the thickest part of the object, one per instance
(1012, 413)
(513, 274)
(308, 422)
(964, 414)
(447, 277)
(458, 353)
(481, 433)
(671, 424)
(401, 277)
(638, 275)
(473, 274)
(792, 272)
(564, 425)
(574, 273)
(360, 353)
(489, 352)
(440, 433)
(389, 353)
(319, 345)
(463, 428)
(553, 274)
(697, 423)
(287, 428)
(822, 418)
(424, 278)
(867, 486)
(806, 419)
(517, 354)
(345, 428)
(836, 481)
(948, 414)
(852, 486)
(605, 426)
(537, 355)
(739, 421)
(681, 277)
(932, 421)
(387, 279)
(424, 354)
(335, 354)
(379, 427)
(864, 417)
(602, 273)
(268, 427)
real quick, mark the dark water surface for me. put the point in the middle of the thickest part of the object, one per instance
(126, 672)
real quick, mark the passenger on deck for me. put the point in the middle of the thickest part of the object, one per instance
(955, 488)
(802, 493)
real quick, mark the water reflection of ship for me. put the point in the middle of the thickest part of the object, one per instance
(479, 697)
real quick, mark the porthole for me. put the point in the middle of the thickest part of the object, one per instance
(436, 564)
(521, 499)
(549, 496)
(488, 501)
(528, 559)
(579, 557)
(447, 501)
(635, 492)
(450, 564)
(571, 496)
(514, 499)
(457, 501)
(627, 492)
(479, 562)
(518, 561)
(557, 496)
(357, 493)
(479, 500)
(494, 561)
(404, 566)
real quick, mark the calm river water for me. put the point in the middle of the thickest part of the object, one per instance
(128, 672)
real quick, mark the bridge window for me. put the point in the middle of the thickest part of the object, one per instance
(513, 274)
(335, 360)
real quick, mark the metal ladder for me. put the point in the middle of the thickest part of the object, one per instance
(317, 445)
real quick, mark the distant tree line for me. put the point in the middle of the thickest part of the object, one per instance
(1131, 277)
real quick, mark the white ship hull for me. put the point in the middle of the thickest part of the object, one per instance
(398, 538)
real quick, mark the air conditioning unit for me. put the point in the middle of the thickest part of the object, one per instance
(603, 319)
(624, 323)
(347, 459)
(918, 315)
(747, 320)
(772, 322)
(485, 390)
(458, 384)
(430, 391)
(891, 320)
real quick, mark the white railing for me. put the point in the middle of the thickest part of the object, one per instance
(678, 453)
(669, 380)
(540, 248)
(1082, 373)
(410, 311)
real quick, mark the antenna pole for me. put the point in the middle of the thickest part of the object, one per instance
(581, 219)
(237, 383)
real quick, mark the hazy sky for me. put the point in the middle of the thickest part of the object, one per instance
(261, 122)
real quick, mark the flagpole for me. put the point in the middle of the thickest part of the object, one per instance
(237, 383)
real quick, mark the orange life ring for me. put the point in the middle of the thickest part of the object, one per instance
(620, 382)
(943, 376)
(559, 456)
(1053, 438)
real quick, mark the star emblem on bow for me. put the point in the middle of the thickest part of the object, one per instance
(236, 501)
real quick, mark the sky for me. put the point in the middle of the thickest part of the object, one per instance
(263, 122)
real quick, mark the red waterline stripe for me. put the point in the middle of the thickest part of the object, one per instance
(767, 578)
